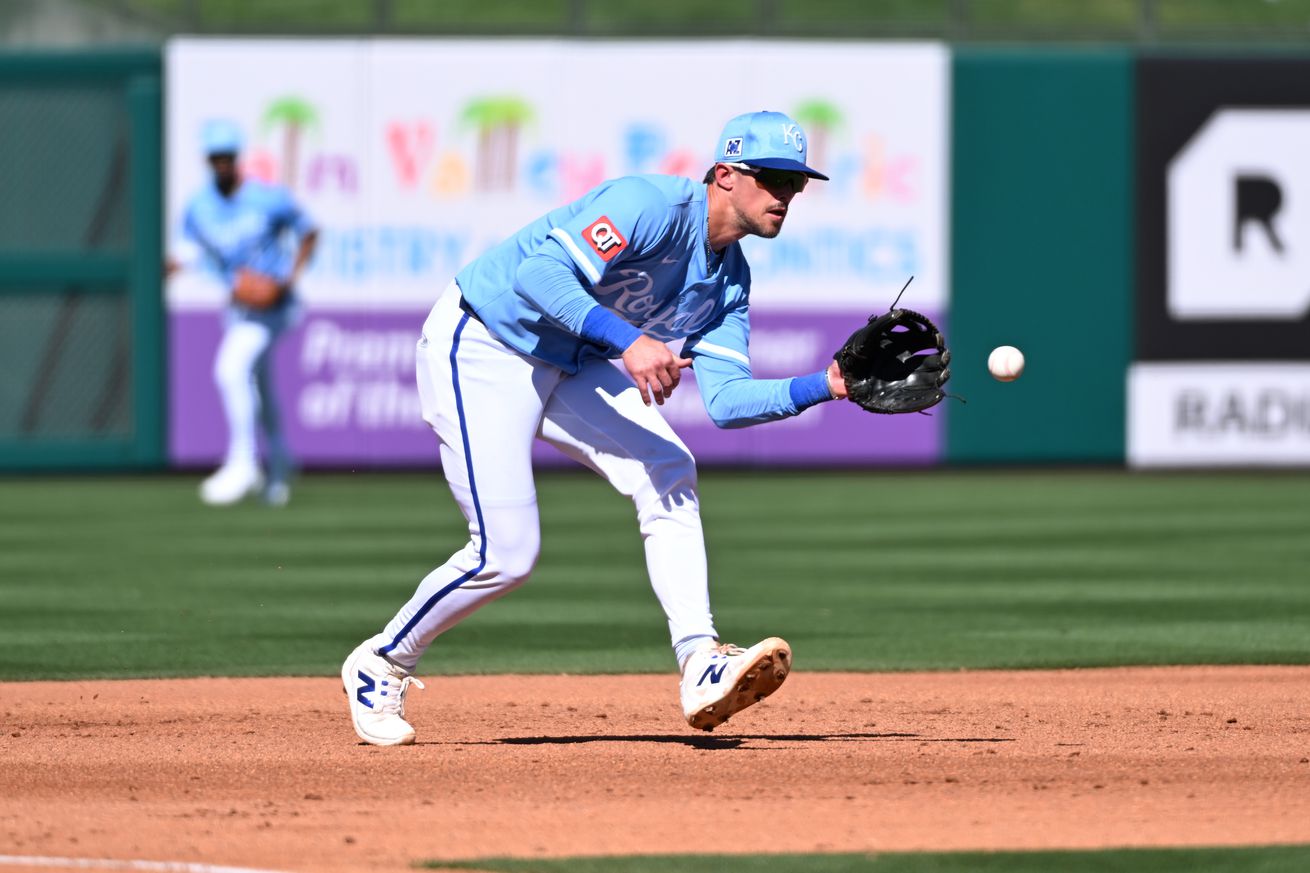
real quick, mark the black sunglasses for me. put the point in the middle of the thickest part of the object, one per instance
(771, 178)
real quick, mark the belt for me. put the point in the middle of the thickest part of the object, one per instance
(464, 305)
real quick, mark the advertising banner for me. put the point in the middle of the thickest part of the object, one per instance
(1223, 262)
(414, 156)
(1250, 414)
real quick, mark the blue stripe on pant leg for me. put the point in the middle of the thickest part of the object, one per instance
(477, 505)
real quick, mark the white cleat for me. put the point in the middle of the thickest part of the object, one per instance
(720, 682)
(278, 493)
(375, 692)
(230, 484)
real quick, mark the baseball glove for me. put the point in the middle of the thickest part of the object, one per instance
(257, 290)
(895, 363)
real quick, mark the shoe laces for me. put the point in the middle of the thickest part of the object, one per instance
(393, 701)
(728, 650)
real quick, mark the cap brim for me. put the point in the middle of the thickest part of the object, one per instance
(785, 164)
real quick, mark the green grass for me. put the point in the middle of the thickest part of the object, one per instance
(1271, 859)
(859, 570)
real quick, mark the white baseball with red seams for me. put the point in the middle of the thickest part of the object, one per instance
(1005, 363)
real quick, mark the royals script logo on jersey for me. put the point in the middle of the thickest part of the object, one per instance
(604, 240)
(632, 294)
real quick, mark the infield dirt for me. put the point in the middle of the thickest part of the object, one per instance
(267, 773)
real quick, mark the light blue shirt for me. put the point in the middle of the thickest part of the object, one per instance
(246, 230)
(636, 246)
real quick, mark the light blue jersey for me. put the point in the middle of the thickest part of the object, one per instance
(636, 246)
(246, 230)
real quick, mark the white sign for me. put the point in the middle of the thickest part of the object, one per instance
(417, 155)
(1218, 414)
(1238, 229)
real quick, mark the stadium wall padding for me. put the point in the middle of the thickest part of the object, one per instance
(81, 335)
(1042, 253)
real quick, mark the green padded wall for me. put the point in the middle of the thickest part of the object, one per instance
(81, 331)
(1041, 241)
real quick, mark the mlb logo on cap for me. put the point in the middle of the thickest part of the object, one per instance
(766, 139)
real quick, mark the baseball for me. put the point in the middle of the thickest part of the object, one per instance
(1005, 363)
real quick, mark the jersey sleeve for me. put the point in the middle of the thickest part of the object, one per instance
(731, 396)
(292, 216)
(554, 288)
(623, 218)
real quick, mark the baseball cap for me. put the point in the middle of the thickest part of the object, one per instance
(220, 136)
(765, 139)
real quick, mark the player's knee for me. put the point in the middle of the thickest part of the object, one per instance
(672, 471)
(510, 561)
(229, 372)
(671, 484)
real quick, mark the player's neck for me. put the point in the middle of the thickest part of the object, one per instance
(723, 231)
(227, 187)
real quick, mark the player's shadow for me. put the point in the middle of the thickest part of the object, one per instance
(706, 741)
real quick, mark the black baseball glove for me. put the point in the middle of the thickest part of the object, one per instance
(895, 363)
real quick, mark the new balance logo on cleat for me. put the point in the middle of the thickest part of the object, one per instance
(713, 673)
(718, 683)
(366, 686)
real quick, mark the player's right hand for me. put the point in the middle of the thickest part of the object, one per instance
(654, 368)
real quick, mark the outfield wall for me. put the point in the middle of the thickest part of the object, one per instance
(1134, 223)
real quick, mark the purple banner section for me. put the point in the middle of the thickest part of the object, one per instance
(345, 381)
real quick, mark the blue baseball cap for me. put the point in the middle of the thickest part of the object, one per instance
(765, 139)
(220, 136)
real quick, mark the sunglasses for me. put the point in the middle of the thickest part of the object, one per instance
(770, 178)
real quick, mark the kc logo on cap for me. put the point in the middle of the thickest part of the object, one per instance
(792, 133)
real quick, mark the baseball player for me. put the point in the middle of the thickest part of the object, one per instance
(237, 228)
(519, 347)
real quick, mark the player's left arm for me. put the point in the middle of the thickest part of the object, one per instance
(293, 217)
(732, 396)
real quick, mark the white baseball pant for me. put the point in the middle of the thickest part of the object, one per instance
(487, 403)
(243, 376)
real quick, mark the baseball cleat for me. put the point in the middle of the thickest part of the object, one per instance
(277, 493)
(375, 691)
(720, 682)
(231, 483)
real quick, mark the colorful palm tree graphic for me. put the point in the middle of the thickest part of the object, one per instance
(819, 118)
(295, 116)
(498, 121)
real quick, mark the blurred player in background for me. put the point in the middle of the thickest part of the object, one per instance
(519, 347)
(239, 228)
